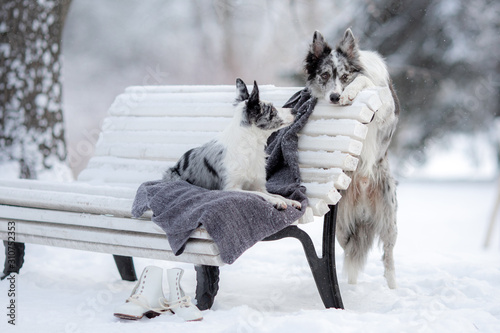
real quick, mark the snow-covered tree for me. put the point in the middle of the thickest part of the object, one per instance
(31, 132)
(444, 57)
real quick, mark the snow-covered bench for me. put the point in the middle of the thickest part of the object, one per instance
(147, 129)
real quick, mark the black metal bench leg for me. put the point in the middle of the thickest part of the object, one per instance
(331, 294)
(323, 269)
(125, 267)
(14, 258)
(207, 286)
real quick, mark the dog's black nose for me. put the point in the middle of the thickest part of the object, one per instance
(334, 98)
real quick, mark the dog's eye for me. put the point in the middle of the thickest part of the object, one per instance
(344, 77)
(325, 76)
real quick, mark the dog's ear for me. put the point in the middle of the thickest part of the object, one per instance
(319, 45)
(253, 100)
(348, 45)
(241, 91)
(319, 49)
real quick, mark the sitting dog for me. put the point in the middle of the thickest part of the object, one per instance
(236, 159)
(368, 207)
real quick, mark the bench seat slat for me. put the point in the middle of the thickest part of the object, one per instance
(75, 202)
(135, 178)
(108, 236)
(195, 258)
(69, 187)
(142, 225)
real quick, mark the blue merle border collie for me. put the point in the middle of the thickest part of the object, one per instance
(368, 207)
(236, 159)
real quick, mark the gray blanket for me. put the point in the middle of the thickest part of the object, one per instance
(235, 221)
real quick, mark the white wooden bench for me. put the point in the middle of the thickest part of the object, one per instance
(147, 129)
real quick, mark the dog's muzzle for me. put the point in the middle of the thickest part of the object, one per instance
(334, 98)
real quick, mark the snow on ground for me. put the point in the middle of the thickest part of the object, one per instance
(446, 281)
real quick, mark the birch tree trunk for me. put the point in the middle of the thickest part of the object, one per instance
(31, 118)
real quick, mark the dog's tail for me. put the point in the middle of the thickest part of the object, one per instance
(356, 251)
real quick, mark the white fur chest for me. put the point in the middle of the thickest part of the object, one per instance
(245, 157)
(370, 151)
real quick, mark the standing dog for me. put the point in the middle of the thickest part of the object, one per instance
(236, 159)
(368, 207)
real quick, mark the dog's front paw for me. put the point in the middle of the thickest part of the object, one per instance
(348, 95)
(280, 205)
(294, 204)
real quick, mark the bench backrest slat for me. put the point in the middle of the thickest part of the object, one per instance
(149, 128)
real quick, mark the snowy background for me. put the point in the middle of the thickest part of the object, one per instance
(443, 55)
(447, 281)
